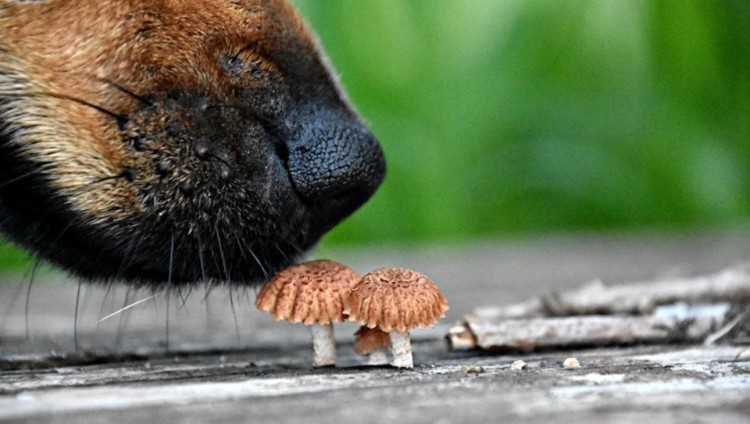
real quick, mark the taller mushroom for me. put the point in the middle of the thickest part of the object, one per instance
(396, 301)
(312, 293)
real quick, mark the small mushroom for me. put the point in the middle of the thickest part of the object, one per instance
(312, 293)
(396, 301)
(373, 343)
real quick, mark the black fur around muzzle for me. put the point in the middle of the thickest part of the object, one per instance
(321, 164)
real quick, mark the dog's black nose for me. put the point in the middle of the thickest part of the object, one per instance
(335, 163)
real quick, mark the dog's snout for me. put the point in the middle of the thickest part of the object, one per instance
(335, 163)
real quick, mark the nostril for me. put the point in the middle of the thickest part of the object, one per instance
(282, 151)
(349, 195)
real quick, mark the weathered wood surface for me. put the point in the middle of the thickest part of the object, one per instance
(260, 370)
(710, 383)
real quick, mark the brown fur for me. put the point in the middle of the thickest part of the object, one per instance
(70, 48)
(86, 84)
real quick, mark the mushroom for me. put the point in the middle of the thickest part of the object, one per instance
(373, 343)
(312, 293)
(396, 301)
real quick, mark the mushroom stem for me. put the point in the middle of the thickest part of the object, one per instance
(324, 345)
(401, 350)
(378, 357)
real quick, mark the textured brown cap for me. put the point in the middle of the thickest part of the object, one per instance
(396, 299)
(311, 293)
(368, 340)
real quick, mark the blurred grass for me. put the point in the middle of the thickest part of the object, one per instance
(12, 259)
(521, 116)
(512, 117)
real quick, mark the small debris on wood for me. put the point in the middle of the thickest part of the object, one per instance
(460, 337)
(744, 355)
(571, 364)
(518, 365)
(474, 370)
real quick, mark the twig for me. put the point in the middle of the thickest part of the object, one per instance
(726, 329)
(596, 314)
(527, 334)
(731, 286)
(728, 286)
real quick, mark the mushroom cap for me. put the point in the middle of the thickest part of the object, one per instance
(368, 340)
(311, 293)
(396, 299)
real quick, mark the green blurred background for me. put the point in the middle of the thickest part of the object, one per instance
(513, 117)
(508, 118)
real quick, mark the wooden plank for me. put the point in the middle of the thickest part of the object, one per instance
(260, 370)
(663, 379)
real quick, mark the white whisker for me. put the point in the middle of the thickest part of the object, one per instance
(131, 306)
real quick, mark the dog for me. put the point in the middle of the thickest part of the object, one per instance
(166, 143)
